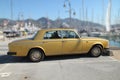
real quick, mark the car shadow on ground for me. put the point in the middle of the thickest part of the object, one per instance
(13, 59)
(66, 57)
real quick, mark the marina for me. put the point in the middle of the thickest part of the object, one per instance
(113, 40)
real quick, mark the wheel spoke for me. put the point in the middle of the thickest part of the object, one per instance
(35, 55)
(96, 51)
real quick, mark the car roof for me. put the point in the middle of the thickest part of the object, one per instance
(58, 29)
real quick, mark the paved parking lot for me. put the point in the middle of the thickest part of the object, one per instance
(74, 67)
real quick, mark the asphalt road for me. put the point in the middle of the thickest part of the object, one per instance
(74, 67)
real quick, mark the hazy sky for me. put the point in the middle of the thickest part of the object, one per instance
(54, 8)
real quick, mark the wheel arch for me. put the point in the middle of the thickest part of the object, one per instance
(92, 54)
(39, 48)
(97, 44)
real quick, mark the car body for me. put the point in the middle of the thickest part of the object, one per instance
(60, 41)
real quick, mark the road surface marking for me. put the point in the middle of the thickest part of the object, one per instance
(7, 74)
(90, 61)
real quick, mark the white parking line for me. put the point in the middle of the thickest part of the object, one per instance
(5, 66)
(114, 59)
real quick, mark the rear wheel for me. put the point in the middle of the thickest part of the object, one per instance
(36, 55)
(96, 51)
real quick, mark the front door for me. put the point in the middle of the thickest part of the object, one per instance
(71, 42)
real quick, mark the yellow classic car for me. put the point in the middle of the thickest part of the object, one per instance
(61, 41)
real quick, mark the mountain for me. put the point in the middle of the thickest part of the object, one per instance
(75, 23)
(116, 25)
(45, 22)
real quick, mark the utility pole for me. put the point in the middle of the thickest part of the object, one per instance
(108, 16)
(80, 14)
(58, 20)
(69, 9)
(86, 24)
(86, 14)
(80, 18)
(119, 12)
(48, 22)
(102, 18)
(83, 9)
(92, 15)
(118, 16)
(11, 6)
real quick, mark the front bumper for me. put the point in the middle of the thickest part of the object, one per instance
(107, 52)
(11, 53)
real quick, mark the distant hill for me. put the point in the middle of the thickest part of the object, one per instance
(74, 23)
(43, 23)
(116, 25)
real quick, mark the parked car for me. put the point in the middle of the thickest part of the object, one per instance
(10, 33)
(49, 42)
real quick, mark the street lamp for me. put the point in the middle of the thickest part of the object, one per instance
(69, 9)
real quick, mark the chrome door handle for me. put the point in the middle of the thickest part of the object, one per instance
(63, 41)
(44, 42)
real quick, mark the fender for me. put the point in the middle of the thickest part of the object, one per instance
(87, 48)
(97, 43)
(39, 47)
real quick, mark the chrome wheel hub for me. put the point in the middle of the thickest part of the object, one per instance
(96, 51)
(36, 55)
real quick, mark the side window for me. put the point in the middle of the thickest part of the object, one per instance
(52, 35)
(69, 34)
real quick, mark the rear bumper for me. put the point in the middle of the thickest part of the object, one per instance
(11, 53)
(107, 52)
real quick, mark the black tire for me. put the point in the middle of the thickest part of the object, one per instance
(96, 51)
(36, 55)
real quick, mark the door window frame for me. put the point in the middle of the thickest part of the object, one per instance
(56, 34)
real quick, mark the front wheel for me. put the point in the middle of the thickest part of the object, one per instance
(96, 51)
(36, 55)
